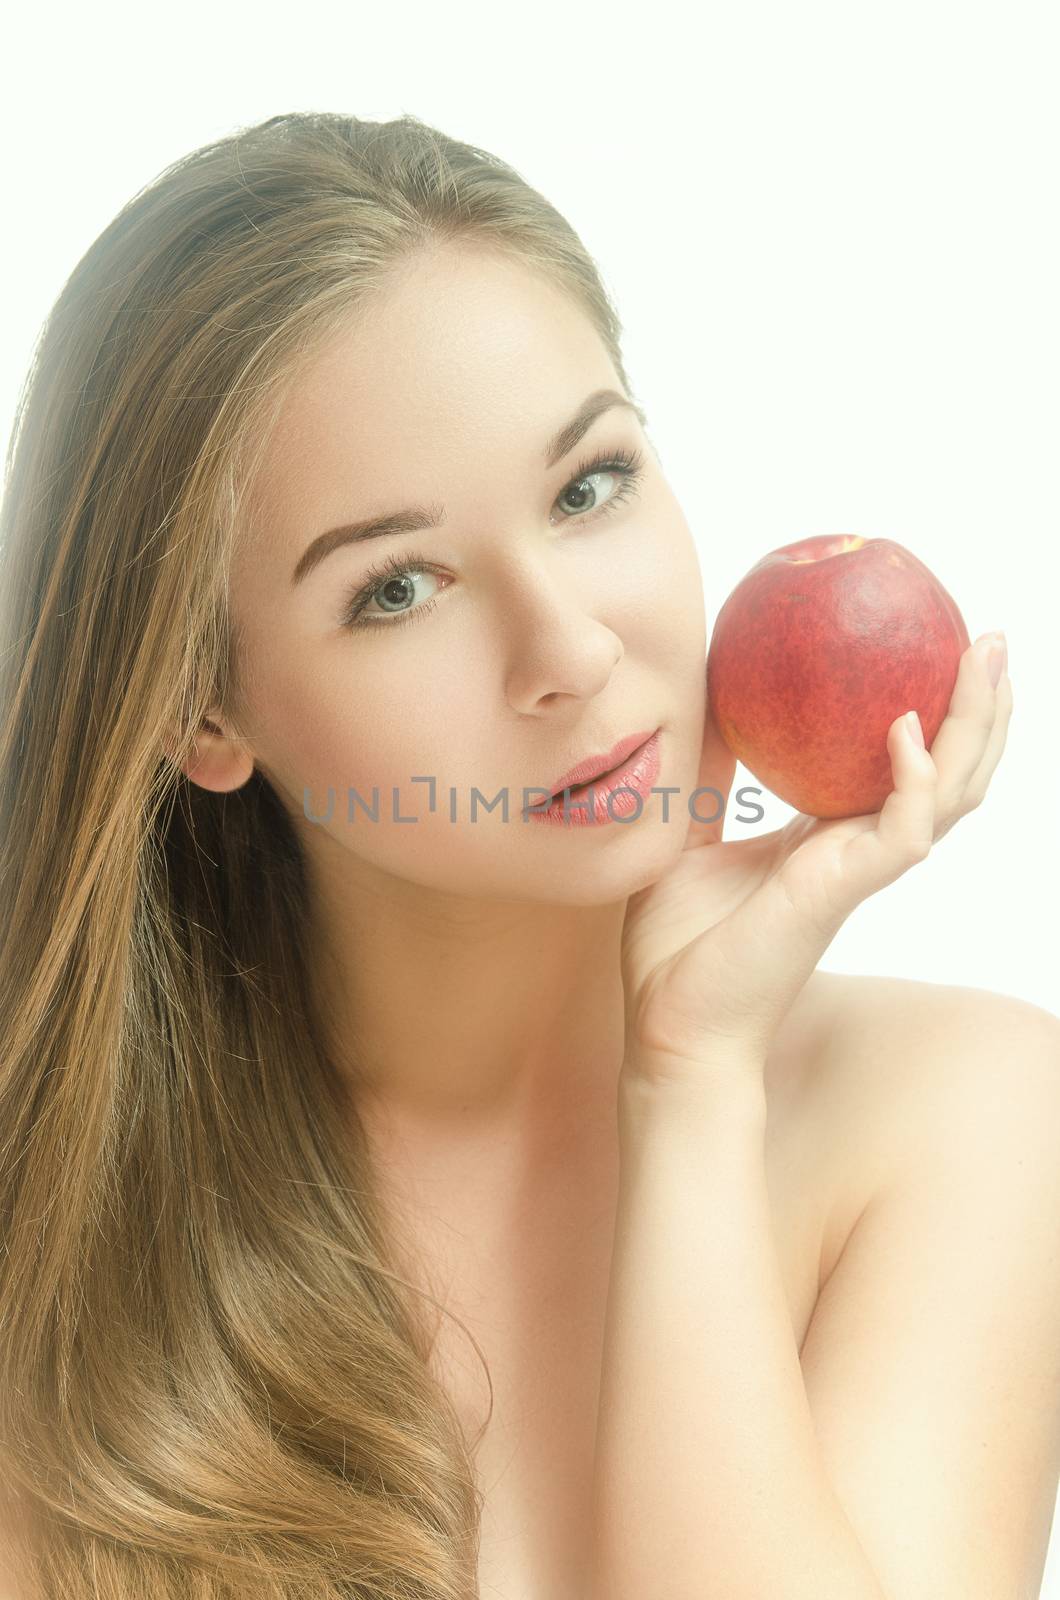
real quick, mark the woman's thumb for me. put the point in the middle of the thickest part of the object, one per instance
(717, 768)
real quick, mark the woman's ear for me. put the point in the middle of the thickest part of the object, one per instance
(220, 759)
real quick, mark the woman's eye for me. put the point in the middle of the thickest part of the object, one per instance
(626, 473)
(392, 586)
(394, 597)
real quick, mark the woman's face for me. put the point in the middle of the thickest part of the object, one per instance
(548, 614)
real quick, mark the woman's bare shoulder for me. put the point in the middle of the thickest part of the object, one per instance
(880, 1028)
(871, 1028)
(887, 1069)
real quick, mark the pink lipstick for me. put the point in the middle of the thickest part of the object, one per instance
(583, 793)
(596, 766)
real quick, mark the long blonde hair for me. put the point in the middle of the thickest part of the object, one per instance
(213, 1381)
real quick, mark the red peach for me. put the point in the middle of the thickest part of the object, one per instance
(816, 651)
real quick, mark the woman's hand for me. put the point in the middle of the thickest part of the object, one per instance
(714, 953)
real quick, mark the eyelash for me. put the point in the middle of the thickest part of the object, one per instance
(627, 464)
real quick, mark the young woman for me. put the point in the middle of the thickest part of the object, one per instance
(404, 1196)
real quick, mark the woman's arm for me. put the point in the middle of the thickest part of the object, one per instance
(930, 1367)
(709, 1482)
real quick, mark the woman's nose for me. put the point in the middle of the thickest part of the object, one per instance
(566, 653)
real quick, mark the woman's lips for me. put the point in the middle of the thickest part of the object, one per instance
(613, 796)
(599, 766)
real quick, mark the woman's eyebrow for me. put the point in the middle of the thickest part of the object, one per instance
(560, 444)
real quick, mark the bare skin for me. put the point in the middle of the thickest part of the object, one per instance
(478, 957)
(468, 971)
(528, 1275)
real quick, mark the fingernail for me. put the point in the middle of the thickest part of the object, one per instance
(996, 659)
(912, 722)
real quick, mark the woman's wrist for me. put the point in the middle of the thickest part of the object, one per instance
(725, 1079)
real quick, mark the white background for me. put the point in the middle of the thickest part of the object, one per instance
(831, 233)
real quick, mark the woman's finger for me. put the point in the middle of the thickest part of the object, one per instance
(717, 768)
(961, 742)
(905, 826)
(979, 782)
(852, 857)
